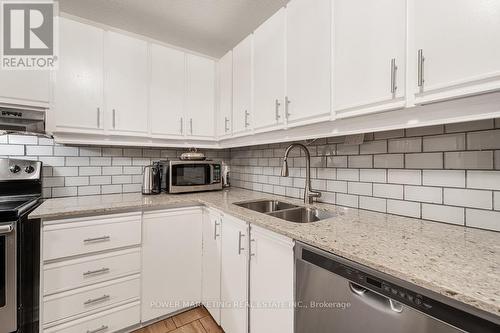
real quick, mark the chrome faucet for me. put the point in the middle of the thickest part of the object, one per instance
(309, 193)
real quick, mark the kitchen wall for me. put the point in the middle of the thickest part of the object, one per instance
(78, 171)
(444, 173)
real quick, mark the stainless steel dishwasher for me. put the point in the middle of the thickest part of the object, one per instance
(335, 295)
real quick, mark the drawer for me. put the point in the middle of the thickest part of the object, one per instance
(89, 235)
(108, 321)
(79, 301)
(75, 273)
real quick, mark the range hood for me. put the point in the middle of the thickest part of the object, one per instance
(21, 121)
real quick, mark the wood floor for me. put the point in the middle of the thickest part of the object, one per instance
(197, 320)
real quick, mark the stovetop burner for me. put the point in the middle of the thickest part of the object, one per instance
(12, 209)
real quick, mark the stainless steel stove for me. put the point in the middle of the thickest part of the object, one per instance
(20, 193)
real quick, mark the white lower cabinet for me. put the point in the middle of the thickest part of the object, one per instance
(211, 267)
(171, 261)
(234, 276)
(271, 282)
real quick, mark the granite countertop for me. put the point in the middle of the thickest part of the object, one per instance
(457, 262)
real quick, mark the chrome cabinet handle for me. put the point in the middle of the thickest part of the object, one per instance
(216, 224)
(287, 107)
(191, 125)
(240, 235)
(97, 239)
(6, 229)
(100, 329)
(114, 118)
(421, 60)
(252, 254)
(98, 117)
(277, 109)
(226, 121)
(182, 125)
(98, 271)
(96, 300)
(394, 69)
(246, 118)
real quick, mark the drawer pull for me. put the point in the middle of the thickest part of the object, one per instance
(98, 271)
(100, 329)
(98, 239)
(96, 300)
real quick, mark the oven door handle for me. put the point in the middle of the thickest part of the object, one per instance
(6, 229)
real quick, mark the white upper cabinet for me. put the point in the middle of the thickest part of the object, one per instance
(167, 91)
(126, 84)
(369, 56)
(460, 47)
(225, 94)
(271, 281)
(78, 89)
(200, 100)
(309, 48)
(242, 85)
(269, 72)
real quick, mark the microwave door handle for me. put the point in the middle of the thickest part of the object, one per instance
(211, 173)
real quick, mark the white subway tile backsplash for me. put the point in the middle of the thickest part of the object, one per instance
(375, 204)
(336, 186)
(100, 161)
(483, 140)
(388, 191)
(278, 190)
(360, 161)
(11, 150)
(497, 201)
(90, 171)
(388, 161)
(53, 181)
(374, 147)
(65, 171)
(89, 190)
(359, 188)
(90, 151)
(14, 139)
(471, 160)
(77, 161)
(483, 219)
(121, 161)
(410, 177)
(424, 161)
(326, 173)
(65, 151)
(59, 192)
(45, 141)
(468, 198)
(110, 151)
(446, 178)
(76, 181)
(450, 142)
(470, 126)
(116, 170)
(348, 174)
(347, 200)
(100, 180)
(111, 189)
(327, 197)
(318, 184)
(399, 133)
(424, 194)
(129, 188)
(483, 180)
(447, 214)
(497, 160)
(373, 175)
(336, 162)
(407, 145)
(52, 160)
(343, 149)
(427, 130)
(405, 208)
(3, 139)
(122, 179)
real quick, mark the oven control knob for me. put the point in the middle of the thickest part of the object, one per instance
(14, 168)
(29, 169)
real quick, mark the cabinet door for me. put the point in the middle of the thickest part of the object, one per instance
(234, 275)
(167, 91)
(212, 263)
(242, 85)
(269, 72)
(271, 281)
(171, 261)
(25, 87)
(460, 44)
(126, 83)
(308, 61)
(225, 94)
(368, 35)
(200, 102)
(78, 89)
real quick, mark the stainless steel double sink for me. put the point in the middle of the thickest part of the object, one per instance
(286, 211)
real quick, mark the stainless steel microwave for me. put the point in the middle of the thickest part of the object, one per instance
(193, 176)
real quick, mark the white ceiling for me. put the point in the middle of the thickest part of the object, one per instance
(211, 27)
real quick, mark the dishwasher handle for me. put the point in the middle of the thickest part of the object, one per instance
(375, 299)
